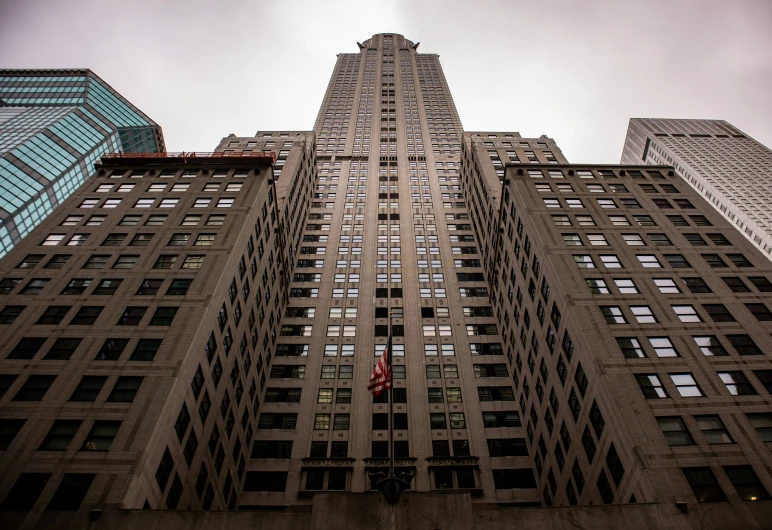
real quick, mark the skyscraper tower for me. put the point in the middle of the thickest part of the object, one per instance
(54, 124)
(728, 167)
(560, 335)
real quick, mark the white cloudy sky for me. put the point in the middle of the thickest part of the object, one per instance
(574, 70)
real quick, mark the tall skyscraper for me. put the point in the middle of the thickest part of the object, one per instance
(54, 124)
(560, 337)
(728, 167)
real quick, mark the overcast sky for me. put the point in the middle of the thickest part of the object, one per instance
(573, 70)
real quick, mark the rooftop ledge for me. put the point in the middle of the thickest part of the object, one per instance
(198, 158)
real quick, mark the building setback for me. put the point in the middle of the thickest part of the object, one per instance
(54, 124)
(566, 348)
(725, 165)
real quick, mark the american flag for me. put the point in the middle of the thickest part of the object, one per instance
(381, 378)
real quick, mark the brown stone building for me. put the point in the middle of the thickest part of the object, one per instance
(573, 345)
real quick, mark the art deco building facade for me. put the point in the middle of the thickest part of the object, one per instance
(561, 336)
(54, 124)
(725, 165)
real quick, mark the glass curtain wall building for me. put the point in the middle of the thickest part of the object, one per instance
(54, 124)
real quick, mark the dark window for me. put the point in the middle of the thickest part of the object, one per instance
(744, 344)
(677, 261)
(762, 284)
(179, 287)
(736, 284)
(265, 481)
(739, 260)
(131, 316)
(174, 493)
(765, 378)
(675, 431)
(441, 448)
(25, 491)
(34, 388)
(9, 428)
(163, 316)
(164, 470)
(507, 447)
(60, 435)
(62, 349)
(101, 435)
(71, 492)
(615, 466)
(747, 483)
(86, 315)
(77, 286)
(27, 348)
(589, 444)
(513, 478)
(57, 261)
(718, 312)
(53, 314)
(714, 260)
(604, 488)
(107, 287)
(696, 285)
(7, 285)
(149, 287)
(145, 350)
(125, 389)
(282, 449)
(88, 388)
(111, 350)
(760, 311)
(703, 484)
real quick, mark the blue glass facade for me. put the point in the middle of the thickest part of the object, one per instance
(53, 126)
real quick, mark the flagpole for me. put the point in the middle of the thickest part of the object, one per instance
(391, 404)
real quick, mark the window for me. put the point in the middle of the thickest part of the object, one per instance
(762, 422)
(649, 261)
(125, 261)
(703, 484)
(225, 203)
(737, 383)
(131, 316)
(651, 386)
(619, 220)
(585, 220)
(204, 240)
(631, 347)
(760, 311)
(57, 261)
(626, 286)
(686, 385)
(762, 284)
(168, 203)
(561, 220)
(145, 350)
(713, 429)
(34, 388)
(572, 240)
(155, 220)
(598, 240)
(675, 431)
(125, 389)
(10, 313)
(192, 262)
(597, 286)
(86, 315)
(677, 261)
(660, 240)
(633, 240)
(744, 344)
(714, 260)
(53, 314)
(179, 287)
(718, 312)
(574, 203)
(736, 284)
(613, 315)
(643, 314)
(101, 435)
(663, 347)
(710, 346)
(644, 220)
(686, 313)
(27, 348)
(215, 220)
(696, 285)
(584, 261)
(35, 286)
(60, 435)
(746, 483)
(71, 492)
(666, 285)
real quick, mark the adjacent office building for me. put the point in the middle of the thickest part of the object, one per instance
(725, 165)
(563, 335)
(54, 124)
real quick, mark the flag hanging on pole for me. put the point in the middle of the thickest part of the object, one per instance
(380, 380)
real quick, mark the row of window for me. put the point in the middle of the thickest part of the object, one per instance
(622, 220)
(575, 240)
(200, 202)
(696, 285)
(134, 220)
(94, 261)
(564, 187)
(684, 312)
(87, 315)
(137, 240)
(178, 187)
(709, 345)
(651, 261)
(35, 388)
